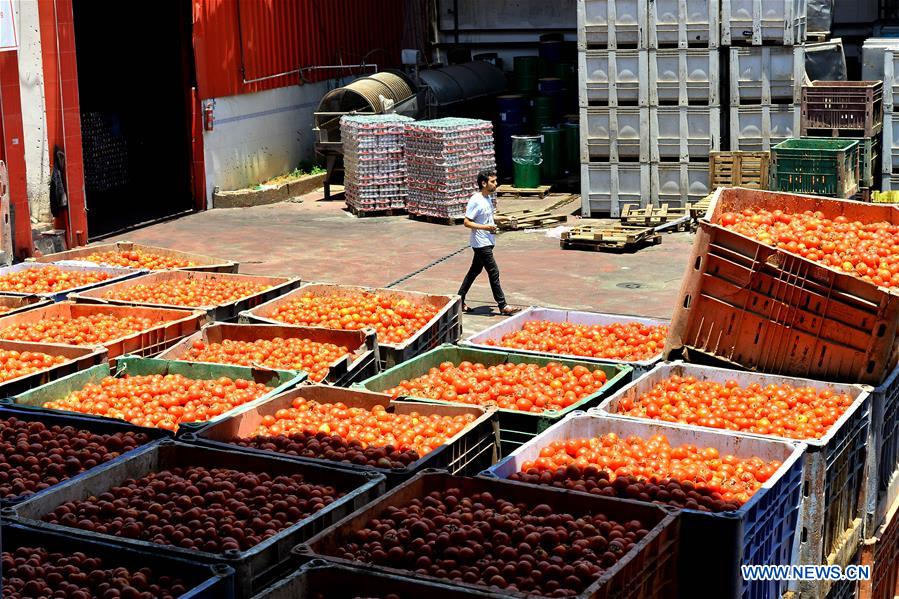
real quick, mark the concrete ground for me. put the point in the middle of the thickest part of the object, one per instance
(319, 241)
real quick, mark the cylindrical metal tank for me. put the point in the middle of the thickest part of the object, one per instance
(462, 82)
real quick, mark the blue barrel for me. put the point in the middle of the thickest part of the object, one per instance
(551, 86)
(504, 135)
(513, 109)
(552, 50)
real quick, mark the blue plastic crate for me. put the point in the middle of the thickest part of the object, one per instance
(713, 546)
(833, 493)
(883, 477)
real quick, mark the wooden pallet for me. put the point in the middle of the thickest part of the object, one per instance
(370, 213)
(739, 169)
(651, 216)
(534, 218)
(507, 191)
(437, 220)
(603, 237)
(698, 209)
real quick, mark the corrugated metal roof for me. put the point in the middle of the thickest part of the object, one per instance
(243, 46)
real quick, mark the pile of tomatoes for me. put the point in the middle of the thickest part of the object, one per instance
(869, 251)
(780, 410)
(627, 341)
(292, 353)
(394, 319)
(49, 279)
(193, 293)
(138, 258)
(90, 329)
(654, 460)
(524, 387)
(375, 427)
(14, 364)
(161, 401)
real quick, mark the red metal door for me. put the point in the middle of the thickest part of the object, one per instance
(12, 149)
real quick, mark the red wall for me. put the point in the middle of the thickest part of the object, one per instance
(12, 149)
(282, 35)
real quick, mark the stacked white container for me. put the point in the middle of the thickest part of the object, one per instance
(649, 101)
(879, 61)
(767, 69)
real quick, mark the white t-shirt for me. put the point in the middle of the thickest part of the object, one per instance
(480, 211)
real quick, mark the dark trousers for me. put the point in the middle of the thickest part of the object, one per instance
(483, 259)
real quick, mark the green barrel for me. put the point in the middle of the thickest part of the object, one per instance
(553, 153)
(545, 112)
(567, 72)
(525, 77)
(571, 139)
(526, 159)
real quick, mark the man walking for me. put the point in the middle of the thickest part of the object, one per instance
(479, 218)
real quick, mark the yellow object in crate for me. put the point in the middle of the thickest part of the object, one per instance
(885, 197)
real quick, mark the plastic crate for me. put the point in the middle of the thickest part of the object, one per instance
(516, 323)
(883, 477)
(170, 325)
(360, 581)
(359, 365)
(648, 570)
(445, 327)
(613, 78)
(473, 449)
(827, 167)
(279, 380)
(516, 428)
(683, 24)
(203, 263)
(759, 128)
(745, 22)
(208, 581)
(684, 77)
(255, 567)
(739, 169)
(610, 23)
(766, 75)
(15, 304)
(762, 531)
(77, 359)
(607, 187)
(834, 466)
(218, 313)
(750, 305)
(842, 108)
(115, 275)
(881, 553)
(109, 427)
(869, 160)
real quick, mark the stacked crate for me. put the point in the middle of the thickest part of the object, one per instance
(766, 62)
(847, 110)
(443, 158)
(649, 101)
(885, 66)
(375, 164)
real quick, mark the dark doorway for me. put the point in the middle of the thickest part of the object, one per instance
(135, 71)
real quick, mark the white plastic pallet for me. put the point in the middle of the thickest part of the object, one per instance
(758, 128)
(608, 23)
(766, 75)
(613, 77)
(677, 184)
(684, 76)
(607, 187)
(683, 23)
(612, 134)
(757, 22)
(684, 132)
(889, 149)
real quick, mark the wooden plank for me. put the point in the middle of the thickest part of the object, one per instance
(509, 191)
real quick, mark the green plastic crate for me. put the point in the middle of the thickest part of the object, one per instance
(825, 167)
(515, 428)
(279, 380)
